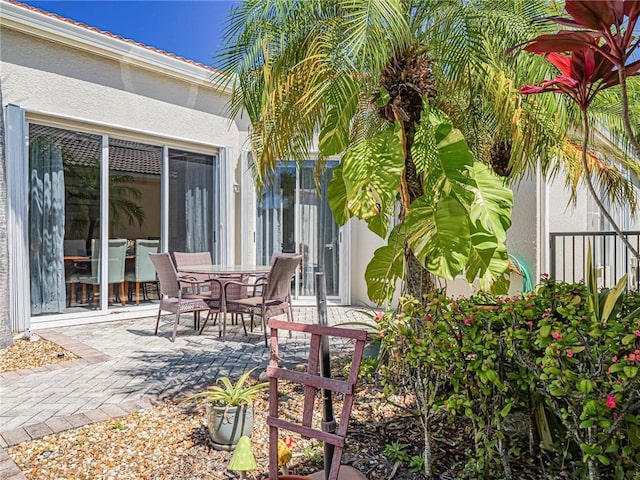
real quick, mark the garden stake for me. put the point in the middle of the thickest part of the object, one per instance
(329, 423)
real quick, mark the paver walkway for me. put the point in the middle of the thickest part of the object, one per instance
(124, 367)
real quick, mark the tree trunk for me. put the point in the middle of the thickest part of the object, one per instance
(419, 281)
(408, 80)
(6, 338)
(592, 190)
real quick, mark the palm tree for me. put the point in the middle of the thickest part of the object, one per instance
(82, 185)
(6, 338)
(366, 78)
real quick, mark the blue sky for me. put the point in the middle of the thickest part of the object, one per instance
(192, 29)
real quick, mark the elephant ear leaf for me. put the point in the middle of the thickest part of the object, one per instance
(488, 261)
(442, 155)
(343, 93)
(439, 235)
(385, 269)
(371, 172)
(493, 201)
(334, 135)
(337, 196)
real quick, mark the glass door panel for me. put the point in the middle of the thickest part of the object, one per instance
(64, 217)
(275, 230)
(193, 203)
(292, 217)
(134, 222)
(319, 234)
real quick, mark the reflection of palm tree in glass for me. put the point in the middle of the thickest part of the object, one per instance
(82, 184)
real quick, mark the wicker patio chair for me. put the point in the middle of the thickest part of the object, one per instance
(275, 296)
(172, 297)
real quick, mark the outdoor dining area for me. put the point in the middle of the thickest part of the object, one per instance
(195, 285)
(182, 282)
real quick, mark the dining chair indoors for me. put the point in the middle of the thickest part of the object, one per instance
(172, 297)
(144, 271)
(275, 296)
(117, 249)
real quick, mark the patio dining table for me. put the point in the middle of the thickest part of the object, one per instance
(223, 273)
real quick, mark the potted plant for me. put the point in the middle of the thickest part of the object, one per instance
(230, 409)
(374, 329)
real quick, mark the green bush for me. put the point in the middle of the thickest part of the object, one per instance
(567, 350)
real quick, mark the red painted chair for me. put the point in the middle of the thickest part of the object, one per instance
(313, 381)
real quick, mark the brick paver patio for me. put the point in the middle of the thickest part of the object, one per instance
(123, 367)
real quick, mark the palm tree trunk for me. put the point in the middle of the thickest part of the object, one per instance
(6, 338)
(419, 281)
(625, 112)
(592, 190)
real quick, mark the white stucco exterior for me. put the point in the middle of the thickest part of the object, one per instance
(65, 75)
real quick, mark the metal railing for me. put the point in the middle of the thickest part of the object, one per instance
(612, 259)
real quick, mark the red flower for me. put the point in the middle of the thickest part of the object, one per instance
(467, 320)
(611, 401)
(289, 442)
(556, 335)
(379, 316)
(569, 353)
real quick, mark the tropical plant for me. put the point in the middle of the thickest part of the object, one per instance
(229, 394)
(396, 452)
(599, 48)
(6, 338)
(491, 362)
(82, 184)
(372, 78)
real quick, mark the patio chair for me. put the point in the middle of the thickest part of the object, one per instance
(312, 382)
(186, 259)
(144, 271)
(275, 297)
(172, 297)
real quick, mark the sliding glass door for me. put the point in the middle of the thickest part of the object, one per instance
(95, 214)
(64, 211)
(193, 203)
(294, 216)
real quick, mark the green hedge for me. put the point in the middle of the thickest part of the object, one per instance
(566, 360)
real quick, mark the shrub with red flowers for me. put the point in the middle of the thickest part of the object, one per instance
(568, 347)
(583, 357)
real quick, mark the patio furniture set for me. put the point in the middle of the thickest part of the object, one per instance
(194, 285)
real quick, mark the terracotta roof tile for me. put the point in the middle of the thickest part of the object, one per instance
(109, 34)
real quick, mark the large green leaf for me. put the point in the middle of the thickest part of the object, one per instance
(337, 197)
(334, 135)
(441, 153)
(371, 172)
(488, 261)
(385, 269)
(440, 235)
(342, 98)
(493, 201)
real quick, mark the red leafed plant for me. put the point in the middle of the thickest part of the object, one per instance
(591, 57)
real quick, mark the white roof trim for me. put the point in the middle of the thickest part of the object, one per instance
(53, 29)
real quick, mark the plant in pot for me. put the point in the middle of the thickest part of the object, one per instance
(375, 331)
(230, 409)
